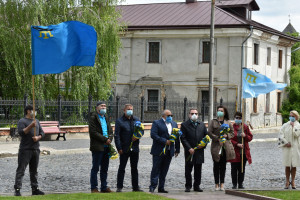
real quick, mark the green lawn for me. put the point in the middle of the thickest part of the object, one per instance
(284, 194)
(83, 196)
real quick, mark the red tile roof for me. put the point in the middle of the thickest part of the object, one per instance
(189, 16)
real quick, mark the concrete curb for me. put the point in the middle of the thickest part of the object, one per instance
(248, 195)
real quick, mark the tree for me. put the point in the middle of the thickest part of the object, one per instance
(296, 54)
(292, 102)
(16, 18)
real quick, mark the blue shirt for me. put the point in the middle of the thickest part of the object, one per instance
(104, 126)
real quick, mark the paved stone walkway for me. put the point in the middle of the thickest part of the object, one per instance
(68, 166)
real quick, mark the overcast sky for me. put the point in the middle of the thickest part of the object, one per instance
(273, 13)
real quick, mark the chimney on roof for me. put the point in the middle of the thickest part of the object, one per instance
(190, 1)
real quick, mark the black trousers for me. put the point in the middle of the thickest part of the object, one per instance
(220, 168)
(236, 172)
(188, 174)
(26, 157)
(134, 158)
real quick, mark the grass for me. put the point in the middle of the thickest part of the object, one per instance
(83, 196)
(285, 195)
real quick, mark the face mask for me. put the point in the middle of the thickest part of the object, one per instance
(169, 119)
(238, 121)
(102, 111)
(292, 119)
(220, 114)
(194, 117)
(129, 112)
(31, 114)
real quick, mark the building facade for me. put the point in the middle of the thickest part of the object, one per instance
(166, 54)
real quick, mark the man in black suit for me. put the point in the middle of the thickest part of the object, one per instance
(160, 133)
(193, 132)
(123, 137)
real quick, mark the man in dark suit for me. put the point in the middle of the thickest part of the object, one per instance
(101, 135)
(160, 133)
(123, 137)
(193, 132)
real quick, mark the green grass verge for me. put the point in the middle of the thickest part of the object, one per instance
(285, 195)
(83, 196)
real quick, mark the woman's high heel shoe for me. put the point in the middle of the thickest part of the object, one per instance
(287, 186)
(293, 187)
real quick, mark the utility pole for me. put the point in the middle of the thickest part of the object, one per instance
(211, 62)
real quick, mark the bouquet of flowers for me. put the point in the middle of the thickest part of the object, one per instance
(202, 143)
(224, 130)
(176, 133)
(138, 132)
(112, 152)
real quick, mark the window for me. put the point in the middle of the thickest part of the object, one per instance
(268, 103)
(280, 59)
(269, 56)
(206, 52)
(278, 101)
(152, 100)
(153, 52)
(255, 54)
(255, 105)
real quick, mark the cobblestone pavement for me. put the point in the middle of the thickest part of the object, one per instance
(70, 172)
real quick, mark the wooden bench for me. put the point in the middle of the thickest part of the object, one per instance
(52, 127)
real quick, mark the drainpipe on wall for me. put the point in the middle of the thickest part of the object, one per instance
(242, 66)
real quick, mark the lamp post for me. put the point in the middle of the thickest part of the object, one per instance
(211, 69)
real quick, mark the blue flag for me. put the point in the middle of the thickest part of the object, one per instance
(56, 48)
(255, 84)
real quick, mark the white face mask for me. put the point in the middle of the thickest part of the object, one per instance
(31, 114)
(194, 117)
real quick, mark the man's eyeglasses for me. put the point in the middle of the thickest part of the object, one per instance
(169, 115)
(194, 113)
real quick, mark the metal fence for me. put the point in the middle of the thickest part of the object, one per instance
(77, 112)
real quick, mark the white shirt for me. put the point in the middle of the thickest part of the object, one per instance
(169, 126)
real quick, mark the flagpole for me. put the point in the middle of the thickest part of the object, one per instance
(243, 121)
(33, 105)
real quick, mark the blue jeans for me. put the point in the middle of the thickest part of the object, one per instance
(100, 159)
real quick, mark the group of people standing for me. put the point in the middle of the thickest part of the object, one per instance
(231, 146)
(163, 148)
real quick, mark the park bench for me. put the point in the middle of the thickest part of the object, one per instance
(52, 127)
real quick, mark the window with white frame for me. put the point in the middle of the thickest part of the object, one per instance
(204, 54)
(255, 53)
(268, 103)
(152, 100)
(269, 56)
(153, 52)
(280, 59)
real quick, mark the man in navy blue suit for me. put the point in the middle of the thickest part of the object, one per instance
(160, 133)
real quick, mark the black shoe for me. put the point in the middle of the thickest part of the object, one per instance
(151, 190)
(17, 192)
(241, 187)
(187, 189)
(163, 191)
(119, 190)
(137, 190)
(37, 192)
(234, 187)
(198, 190)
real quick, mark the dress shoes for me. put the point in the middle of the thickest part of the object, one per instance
(163, 191)
(151, 190)
(107, 190)
(234, 187)
(137, 190)
(198, 190)
(241, 186)
(187, 189)
(119, 190)
(95, 190)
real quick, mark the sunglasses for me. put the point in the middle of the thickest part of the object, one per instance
(169, 115)
(194, 113)
(238, 118)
